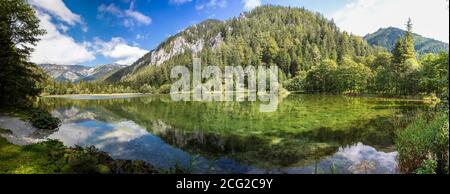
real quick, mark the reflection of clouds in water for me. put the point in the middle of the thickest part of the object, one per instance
(124, 132)
(72, 134)
(128, 140)
(355, 159)
(122, 140)
(363, 156)
(97, 133)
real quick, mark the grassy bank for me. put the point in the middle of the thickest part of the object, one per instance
(52, 157)
(424, 145)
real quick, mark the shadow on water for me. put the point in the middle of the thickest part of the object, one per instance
(307, 134)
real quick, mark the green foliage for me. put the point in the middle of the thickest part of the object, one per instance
(52, 87)
(297, 83)
(428, 167)
(321, 78)
(434, 76)
(294, 39)
(352, 77)
(42, 119)
(53, 157)
(19, 29)
(85, 160)
(164, 89)
(423, 143)
(146, 89)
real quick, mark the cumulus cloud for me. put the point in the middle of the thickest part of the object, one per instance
(58, 9)
(118, 49)
(57, 48)
(430, 18)
(129, 17)
(251, 4)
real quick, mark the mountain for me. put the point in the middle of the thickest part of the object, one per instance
(387, 37)
(77, 73)
(293, 38)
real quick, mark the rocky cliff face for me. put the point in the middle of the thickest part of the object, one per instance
(188, 40)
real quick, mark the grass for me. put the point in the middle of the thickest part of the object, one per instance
(52, 157)
(424, 145)
(23, 160)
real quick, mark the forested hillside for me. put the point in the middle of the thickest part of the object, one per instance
(387, 37)
(292, 38)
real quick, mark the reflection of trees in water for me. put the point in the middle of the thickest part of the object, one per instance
(241, 132)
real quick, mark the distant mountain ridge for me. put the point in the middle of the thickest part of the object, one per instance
(387, 37)
(77, 73)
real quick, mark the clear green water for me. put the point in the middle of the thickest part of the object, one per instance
(307, 133)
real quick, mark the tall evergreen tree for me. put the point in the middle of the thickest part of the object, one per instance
(19, 28)
(404, 48)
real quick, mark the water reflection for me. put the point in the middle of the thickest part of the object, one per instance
(354, 159)
(128, 140)
(307, 134)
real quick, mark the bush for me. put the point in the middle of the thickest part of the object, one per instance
(423, 146)
(296, 84)
(42, 119)
(86, 161)
(146, 89)
(164, 89)
(89, 160)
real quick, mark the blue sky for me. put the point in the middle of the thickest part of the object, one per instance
(91, 32)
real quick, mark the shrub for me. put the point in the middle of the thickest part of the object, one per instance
(42, 119)
(146, 89)
(164, 89)
(86, 161)
(296, 84)
(423, 146)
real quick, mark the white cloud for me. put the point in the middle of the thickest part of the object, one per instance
(58, 9)
(119, 50)
(210, 4)
(430, 18)
(130, 17)
(124, 132)
(139, 17)
(57, 48)
(251, 4)
(179, 2)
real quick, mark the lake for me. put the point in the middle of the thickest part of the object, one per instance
(306, 134)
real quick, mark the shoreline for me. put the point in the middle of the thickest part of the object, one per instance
(420, 98)
(100, 95)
